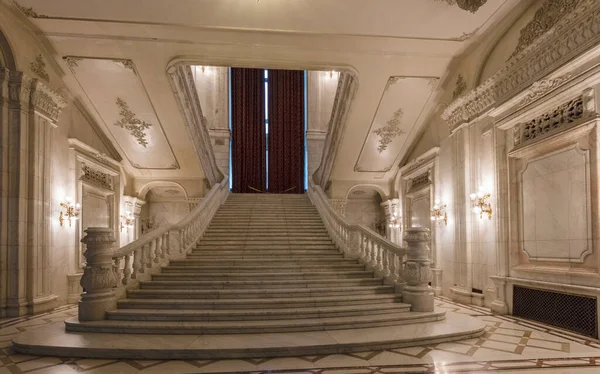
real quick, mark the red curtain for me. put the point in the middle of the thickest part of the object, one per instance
(286, 131)
(248, 130)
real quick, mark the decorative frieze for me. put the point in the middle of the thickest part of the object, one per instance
(390, 131)
(572, 35)
(47, 102)
(419, 181)
(544, 19)
(542, 87)
(460, 87)
(96, 177)
(550, 122)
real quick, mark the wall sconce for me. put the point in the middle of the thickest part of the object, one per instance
(394, 222)
(438, 213)
(481, 203)
(127, 221)
(69, 211)
(332, 73)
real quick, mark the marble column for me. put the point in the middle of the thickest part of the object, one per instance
(393, 220)
(98, 278)
(32, 113)
(417, 272)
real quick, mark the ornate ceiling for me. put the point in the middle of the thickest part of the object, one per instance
(374, 40)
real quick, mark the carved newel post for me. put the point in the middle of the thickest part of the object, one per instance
(417, 274)
(98, 277)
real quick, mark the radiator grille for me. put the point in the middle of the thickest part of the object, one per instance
(569, 312)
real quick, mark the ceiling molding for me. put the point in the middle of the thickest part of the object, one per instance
(344, 96)
(120, 115)
(184, 89)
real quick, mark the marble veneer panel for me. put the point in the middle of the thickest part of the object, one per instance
(555, 207)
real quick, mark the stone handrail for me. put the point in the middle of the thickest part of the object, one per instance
(171, 241)
(357, 241)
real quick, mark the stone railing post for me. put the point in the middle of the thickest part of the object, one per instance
(98, 278)
(417, 291)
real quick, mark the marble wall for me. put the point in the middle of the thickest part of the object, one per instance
(367, 212)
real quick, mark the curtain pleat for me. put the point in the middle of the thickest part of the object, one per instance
(286, 131)
(248, 130)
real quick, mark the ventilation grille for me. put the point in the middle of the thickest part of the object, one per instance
(569, 312)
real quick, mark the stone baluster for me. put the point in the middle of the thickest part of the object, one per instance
(127, 270)
(379, 257)
(117, 268)
(417, 291)
(98, 277)
(164, 244)
(157, 249)
(137, 263)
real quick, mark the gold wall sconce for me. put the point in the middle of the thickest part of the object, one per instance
(127, 221)
(481, 203)
(438, 213)
(69, 211)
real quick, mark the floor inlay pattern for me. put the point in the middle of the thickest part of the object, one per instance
(508, 344)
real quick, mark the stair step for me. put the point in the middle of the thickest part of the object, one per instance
(203, 246)
(252, 261)
(274, 303)
(259, 284)
(182, 275)
(251, 269)
(255, 314)
(241, 255)
(263, 252)
(258, 326)
(254, 293)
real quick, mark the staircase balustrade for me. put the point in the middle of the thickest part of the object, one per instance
(356, 241)
(150, 251)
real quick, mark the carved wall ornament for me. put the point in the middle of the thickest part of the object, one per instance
(542, 87)
(131, 123)
(573, 34)
(72, 62)
(460, 87)
(46, 101)
(96, 177)
(101, 158)
(390, 131)
(358, 192)
(468, 5)
(550, 122)
(127, 64)
(544, 19)
(29, 12)
(38, 66)
(172, 192)
(419, 181)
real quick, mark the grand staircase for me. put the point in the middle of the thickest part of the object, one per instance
(265, 265)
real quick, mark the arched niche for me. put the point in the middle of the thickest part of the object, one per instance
(7, 59)
(363, 207)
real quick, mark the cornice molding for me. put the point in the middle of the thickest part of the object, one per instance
(184, 88)
(347, 87)
(417, 166)
(46, 101)
(574, 34)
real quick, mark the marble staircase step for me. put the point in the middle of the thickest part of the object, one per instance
(266, 293)
(264, 252)
(253, 326)
(276, 262)
(254, 268)
(206, 276)
(256, 284)
(241, 255)
(260, 240)
(217, 247)
(286, 302)
(255, 314)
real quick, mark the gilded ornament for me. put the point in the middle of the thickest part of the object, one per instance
(390, 131)
(131, 123)
(29, 12)
(73, 62)
(544, 19)
(38, 66)
(127, 64)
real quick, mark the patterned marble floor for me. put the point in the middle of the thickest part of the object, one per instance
(509, 344)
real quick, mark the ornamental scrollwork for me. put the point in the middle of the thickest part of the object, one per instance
(542, 87)
(98, 278)
(96, 177)
(72, 62)
(38, 67)
(127, 64)
(29, 12)
(131, 123)
(544, 19)
(417, 272)
(563, 115)
(390, 131)
(460, 87)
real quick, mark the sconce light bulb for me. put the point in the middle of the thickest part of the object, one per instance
(473, 196)
(78, 206)
(477, 209)
(68, 199)
(437, 201)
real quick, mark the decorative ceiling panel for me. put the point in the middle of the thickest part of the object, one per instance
(115, 90)
(398, 114)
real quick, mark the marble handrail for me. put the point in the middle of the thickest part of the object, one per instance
(169, 242)
(357, 241)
